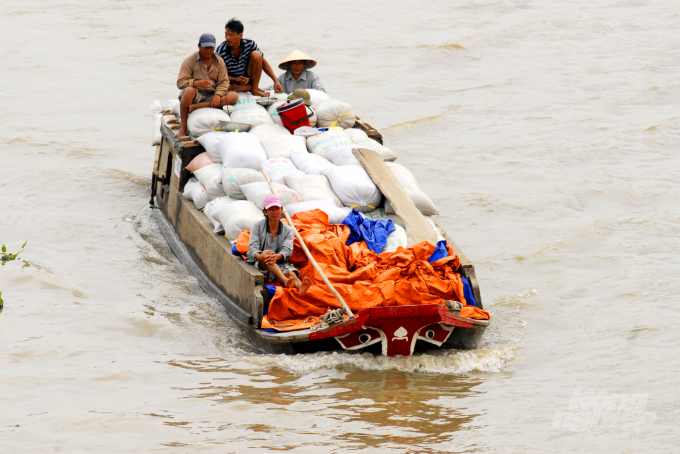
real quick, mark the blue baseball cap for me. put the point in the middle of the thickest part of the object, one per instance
(207, 40)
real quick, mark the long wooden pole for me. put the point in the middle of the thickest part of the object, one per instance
(309, 255)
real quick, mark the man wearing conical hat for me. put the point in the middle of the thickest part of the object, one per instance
(298, 74)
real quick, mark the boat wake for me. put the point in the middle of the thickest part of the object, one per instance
(452, 362)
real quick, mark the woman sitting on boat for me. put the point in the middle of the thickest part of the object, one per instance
(298, 75)
(271, 245)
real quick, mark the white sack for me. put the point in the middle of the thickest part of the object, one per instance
(361, 139)
(410, 185)
(209, 141)
(199, 196)
(257, 192)
(283, 146)
(335, 214)
(277, 168)
(237, 216)
(342, 156)
(156, 115)
(332, 112)
(396, 239)
(233, 179)
(321, 143)
(213, 207)
(176, 109)
(312, 187)
(271, 110)
(241, 150)
(311, 164)
(247, 110)
(316, 96)
(205, 174)
(354, 187)
(189, 186)
(205, 120)
(213, 187)
(264, 132)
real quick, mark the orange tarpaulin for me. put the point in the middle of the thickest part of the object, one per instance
(363, 278)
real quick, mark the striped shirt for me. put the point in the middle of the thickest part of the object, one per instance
(237, 66)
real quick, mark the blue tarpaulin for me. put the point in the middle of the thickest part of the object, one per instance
(374, 233)
(440, 252)
(272, 291)
(467, 292)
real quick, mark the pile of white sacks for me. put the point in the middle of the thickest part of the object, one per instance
(307, 173)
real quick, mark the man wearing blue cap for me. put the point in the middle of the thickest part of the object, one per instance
(203, 80)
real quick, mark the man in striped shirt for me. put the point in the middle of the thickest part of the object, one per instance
(244, 61)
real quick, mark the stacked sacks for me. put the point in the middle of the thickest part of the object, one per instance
(210, 141)
(210, 177)
(316, 96)
(237, 216)
(233, 179)
(321, 143)
(283, 146)
(264, 132)
(195, 191)
(215, 206)
(331, 112)
(312, 187)
(257, 192)
(342, 156)
(359, 137)
(205, 120)
(277, 168)
(311, 164)
(410, 185)
(200, 161)
(248, 112)
(335, 214)
(354, 187)
(241, 150)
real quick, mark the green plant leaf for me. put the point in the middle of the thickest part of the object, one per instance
(4, 249)
(1, 302)
(24, 244)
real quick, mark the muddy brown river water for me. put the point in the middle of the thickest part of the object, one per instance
(546, 132)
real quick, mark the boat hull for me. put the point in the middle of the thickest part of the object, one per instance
(240, 289)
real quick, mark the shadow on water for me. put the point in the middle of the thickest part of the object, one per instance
(348, 405)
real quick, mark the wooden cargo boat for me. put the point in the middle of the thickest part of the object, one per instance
(239, 287)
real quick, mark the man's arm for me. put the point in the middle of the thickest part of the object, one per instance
(222, 78)
(268, 71)
(186, 75)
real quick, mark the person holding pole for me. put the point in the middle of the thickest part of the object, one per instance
(271, 245)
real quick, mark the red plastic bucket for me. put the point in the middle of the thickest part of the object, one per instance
(293, 114)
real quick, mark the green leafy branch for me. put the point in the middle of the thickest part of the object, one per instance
(6, 257)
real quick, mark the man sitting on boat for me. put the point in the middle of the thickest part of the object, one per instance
(244, 60)
(203, 80)
(298, 75)
(271, 245)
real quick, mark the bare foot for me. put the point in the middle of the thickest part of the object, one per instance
(304, 286)
(258, 92)
(292, 282)
(182, 132)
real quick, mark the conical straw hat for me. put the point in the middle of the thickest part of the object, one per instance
(297, 55)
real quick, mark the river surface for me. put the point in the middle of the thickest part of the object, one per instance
(547, 132)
